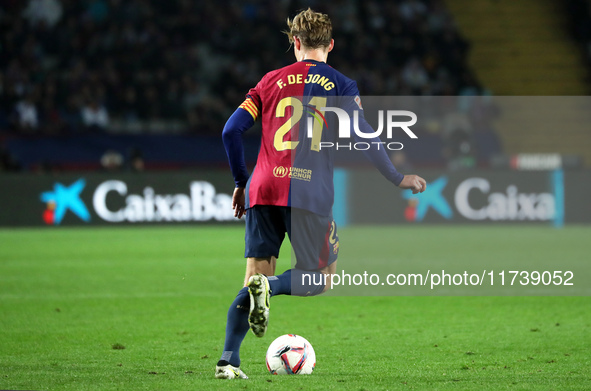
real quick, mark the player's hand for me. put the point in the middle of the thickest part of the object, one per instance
(413, 182)
(238, 202)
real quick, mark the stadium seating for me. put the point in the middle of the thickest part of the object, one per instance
(522, 48)
(72, 68)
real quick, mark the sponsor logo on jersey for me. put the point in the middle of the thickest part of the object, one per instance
(280, 171)
(358, 101)
(302, 174)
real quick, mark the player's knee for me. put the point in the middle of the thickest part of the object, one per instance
(328, 272)
(328, 284)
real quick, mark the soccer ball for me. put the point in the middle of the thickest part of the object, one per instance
(291, 354)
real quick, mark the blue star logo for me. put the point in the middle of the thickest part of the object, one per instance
(66, 198)
(432, 198)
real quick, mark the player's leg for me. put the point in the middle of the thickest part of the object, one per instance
(264, 235)
(228, 367)
(263, 240)
(328, 271)
(315, 244)
(259, 291)
(264, 266)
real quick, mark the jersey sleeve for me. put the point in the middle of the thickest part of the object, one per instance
(250, 106)
(253, 102)
(238, 123)
(242, 120)
(350, 98)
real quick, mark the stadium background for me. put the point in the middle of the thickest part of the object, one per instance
(132, 96)
(146, 86)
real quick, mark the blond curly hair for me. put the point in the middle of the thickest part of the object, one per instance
(314, 29)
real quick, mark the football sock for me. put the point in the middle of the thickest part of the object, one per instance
(236, 328)
(280, 285)
(297, 282)
(306, 283)
(237, 324)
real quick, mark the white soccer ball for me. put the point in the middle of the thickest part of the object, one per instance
(291, 354)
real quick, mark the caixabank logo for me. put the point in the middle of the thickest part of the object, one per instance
(63, 199)
(133, 200)
(481, 199)
(419, 204)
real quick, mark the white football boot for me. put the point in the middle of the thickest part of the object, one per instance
(229, 372)
(260, 293)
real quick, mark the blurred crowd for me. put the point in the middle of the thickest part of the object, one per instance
(137, 66)
(579, 13)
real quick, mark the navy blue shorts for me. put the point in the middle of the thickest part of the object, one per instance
(313, 237)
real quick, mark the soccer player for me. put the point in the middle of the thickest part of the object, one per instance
(291, 188)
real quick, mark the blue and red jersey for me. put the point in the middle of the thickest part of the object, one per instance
(291, 169)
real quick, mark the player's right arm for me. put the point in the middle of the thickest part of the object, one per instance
(239, 122)
(378, 156)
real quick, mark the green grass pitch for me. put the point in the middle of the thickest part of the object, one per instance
(145, 309)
